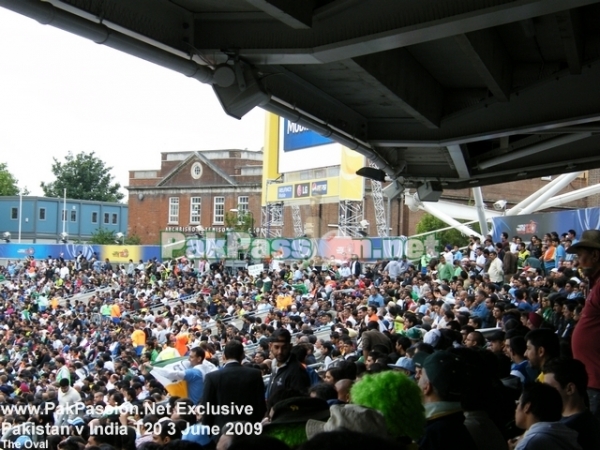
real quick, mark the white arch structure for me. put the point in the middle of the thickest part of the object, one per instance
(542, 199)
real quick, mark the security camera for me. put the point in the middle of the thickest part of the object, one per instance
(6, 236)
(119, 235)
(364, 223)
(500, 205)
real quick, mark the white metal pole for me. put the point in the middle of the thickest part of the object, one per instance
(20, 213)
(480, 207)
(548, 194)
(449, 220)
(570, 197)
(388, 221)
(516, 210)
(64, 213)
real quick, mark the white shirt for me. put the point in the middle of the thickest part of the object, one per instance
(449, 256)
(480, 261)
(496, 271)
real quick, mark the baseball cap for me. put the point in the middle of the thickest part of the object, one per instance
(414, 334)
(404, 363)
(446, 372)
(419, 358)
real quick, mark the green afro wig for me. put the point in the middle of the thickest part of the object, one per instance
(395, 396)
(292, 434)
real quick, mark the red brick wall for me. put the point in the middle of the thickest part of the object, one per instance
(149, 216)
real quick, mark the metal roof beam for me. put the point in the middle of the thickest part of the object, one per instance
(490, 60)
(537, 108)
(571, 34)
(420, 94)
(458, 160)
(295, 14)
(358, 31)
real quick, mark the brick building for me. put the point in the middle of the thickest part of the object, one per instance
(193, 189)
(197, 188)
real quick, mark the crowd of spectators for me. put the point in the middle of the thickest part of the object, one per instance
(473, 348)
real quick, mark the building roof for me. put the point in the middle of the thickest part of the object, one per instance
(223, 164)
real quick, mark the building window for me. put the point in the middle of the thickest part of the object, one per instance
(95, 217)
(174, 210)
(196, 170)
(114, 219)
(106, 218)
(243, 205)
(219, 210)
(74, 216)
(14, 213)
(333, 171)
(195, 209)
(42, 213)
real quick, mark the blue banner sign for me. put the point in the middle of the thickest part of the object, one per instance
(527, 225)
(318, 188)
(115, 253)
(284, 192)
(297, 137)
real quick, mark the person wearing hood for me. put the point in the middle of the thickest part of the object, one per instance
(538, 412)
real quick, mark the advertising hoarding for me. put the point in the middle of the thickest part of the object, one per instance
(303, 149)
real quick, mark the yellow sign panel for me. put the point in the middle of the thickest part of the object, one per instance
(346, 185)
(352, 186)
(120, 253)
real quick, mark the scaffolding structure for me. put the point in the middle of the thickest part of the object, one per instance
(380, 216)
(351, 215)
(272, 220)
(297, 220)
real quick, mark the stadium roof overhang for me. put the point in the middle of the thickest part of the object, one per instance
(461, 92)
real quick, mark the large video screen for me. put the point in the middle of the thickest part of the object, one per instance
(302, 149)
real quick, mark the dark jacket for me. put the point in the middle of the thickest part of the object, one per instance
(292, 375)
(242, 386)
(447, 431)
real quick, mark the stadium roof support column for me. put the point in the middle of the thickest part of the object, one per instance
(447, 219)
(549, 193)
(480, 206)
(518, 208)
(570, 197)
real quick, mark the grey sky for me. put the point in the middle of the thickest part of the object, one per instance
(60, 92)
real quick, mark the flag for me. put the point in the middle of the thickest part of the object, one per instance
(163, 372)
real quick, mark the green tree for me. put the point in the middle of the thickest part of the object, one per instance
(238, 221)
(103, 236)
(8, 183)
(133, 239)
(432, 223)
(85, 177)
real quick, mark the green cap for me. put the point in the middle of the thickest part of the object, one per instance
(420, 358)
(446, 372)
